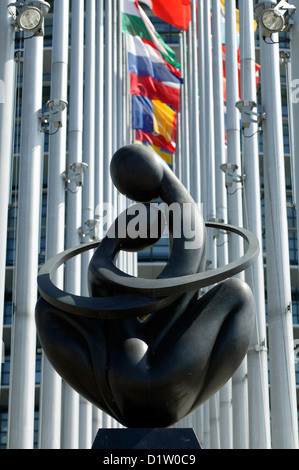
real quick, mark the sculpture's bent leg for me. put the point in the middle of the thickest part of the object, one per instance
(66, 345)
(186, 362)
(233, 306)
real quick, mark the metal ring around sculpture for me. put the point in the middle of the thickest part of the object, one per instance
(144, 295)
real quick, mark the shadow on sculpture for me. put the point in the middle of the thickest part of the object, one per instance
(148, 352)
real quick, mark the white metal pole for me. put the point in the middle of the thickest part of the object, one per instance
(258, 388)
(195, 148)
(88, 190)
(7, 92)
(108, 107)
(202, 96)
(281, 355)
(209, 201)
(85, 424)
(99, 124)
(50, 396)
(294, 104)
(225, 394)
(22, 374)
(185, 140)
(70, 410)
(235, 213)
(108, 122)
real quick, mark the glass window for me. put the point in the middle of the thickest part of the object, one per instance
(5, 369)
(293, 250)
(295, 305)
(291, 213)
(11, 248)
(3, 428)
(38, 366)
(8, 307)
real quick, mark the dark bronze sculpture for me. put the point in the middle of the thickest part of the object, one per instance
(148, 352)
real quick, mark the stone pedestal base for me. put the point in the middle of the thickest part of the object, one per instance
(158, 438)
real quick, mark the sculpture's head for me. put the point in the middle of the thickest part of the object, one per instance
(137, 172)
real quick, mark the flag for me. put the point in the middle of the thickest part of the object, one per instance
(156, 140)
(155, 82)
(174, 12)
(149, 76)
(158, 144)
(153, 116)
(136, 23)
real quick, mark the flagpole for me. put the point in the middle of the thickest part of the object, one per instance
(108, 123)
(185, 139)
(225, 394)
(50, 395)
(210, 203)
(23, 350)
(70, 410)
(204, 409)
(108, 108)
(293, 77)
(258, 388)
(235, 212)
(280, 329)
(88, 190)
(99, 125)
(195, 149)
(7, 92)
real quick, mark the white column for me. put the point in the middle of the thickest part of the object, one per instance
(235, 213)
(281, 355)
(22, 374)
(184, 121)
(108, 108)
(70, 408)
(7, 110)
(88, 190)
(258, 392)
(225, 394)
(50, 396)
(85, 424)
(99, 124)
(202, 96)
(294, 102)
(194, 110)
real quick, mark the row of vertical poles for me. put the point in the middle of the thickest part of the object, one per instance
(70, 399)
(66, 419)
(225, 394)
(258, 388)
(239, 417)
(235, 211)
(88, 190)
(284, 421)
(50, 396)
(23, 344)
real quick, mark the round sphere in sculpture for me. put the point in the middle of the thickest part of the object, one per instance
(137, 173)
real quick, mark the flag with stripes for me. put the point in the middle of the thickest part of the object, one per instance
(174, 12)
(154, 82)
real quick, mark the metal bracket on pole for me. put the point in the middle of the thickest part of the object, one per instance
(53, 116)
(247, 114)
(258, 348)
(76, 174)
(90, 232)
(230, 174)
